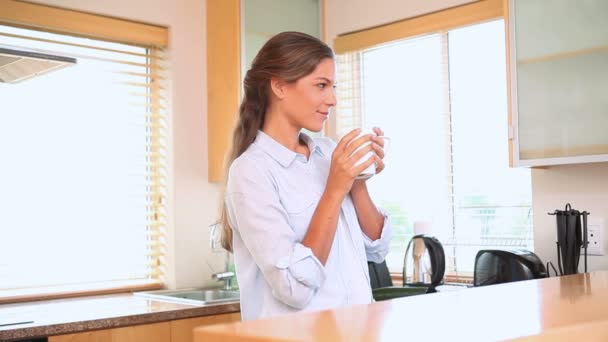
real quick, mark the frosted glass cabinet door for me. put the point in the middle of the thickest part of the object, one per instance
(559, 81)
(261, 19)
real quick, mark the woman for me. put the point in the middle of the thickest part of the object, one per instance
(301, 227)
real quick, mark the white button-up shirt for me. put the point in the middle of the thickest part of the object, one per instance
(271, 195)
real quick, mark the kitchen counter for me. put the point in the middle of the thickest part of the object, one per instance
(63, 316)
(555, 309)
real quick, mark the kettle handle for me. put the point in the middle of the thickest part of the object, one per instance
(437, 256)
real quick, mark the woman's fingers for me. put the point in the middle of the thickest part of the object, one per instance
(355, 157)
(379, 141)
(346, 139)
(359, 168)
(379, 164)
(356, 143)
(379, 150)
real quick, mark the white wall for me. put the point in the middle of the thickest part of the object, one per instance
(584, 186)
(194, 199)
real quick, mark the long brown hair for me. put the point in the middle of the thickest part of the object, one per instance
(287, 56)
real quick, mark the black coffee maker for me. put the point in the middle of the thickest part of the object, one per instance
(424, 263)
(496, 266)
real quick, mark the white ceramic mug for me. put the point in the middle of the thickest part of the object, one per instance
(370, 170)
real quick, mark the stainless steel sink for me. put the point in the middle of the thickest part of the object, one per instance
(197, 296)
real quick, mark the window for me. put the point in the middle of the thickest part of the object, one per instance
(442, 99)
(84, 168)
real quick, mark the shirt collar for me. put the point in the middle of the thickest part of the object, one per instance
(282, 154)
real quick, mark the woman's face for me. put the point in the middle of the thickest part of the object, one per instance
(308, 100)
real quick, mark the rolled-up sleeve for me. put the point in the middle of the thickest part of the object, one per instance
(255, 212)
(377, 250)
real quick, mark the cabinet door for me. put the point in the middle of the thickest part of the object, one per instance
(264, 18)
(158, 332)
(182, 329)
(559, 81)
(223, 80)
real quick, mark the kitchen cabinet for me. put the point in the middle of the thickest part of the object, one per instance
(558, 81)
(236, 30)
(180, 330)
(157, 332)
(223, 80)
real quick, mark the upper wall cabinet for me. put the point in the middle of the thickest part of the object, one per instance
(558, 59)
(236, 30)
(264, 18)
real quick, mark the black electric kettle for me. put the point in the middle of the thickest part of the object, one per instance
(424, 263)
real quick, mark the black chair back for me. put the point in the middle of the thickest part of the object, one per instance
(379, 276)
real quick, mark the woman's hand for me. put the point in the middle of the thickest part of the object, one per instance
(343, 171)
(378, 145)
(378, 148)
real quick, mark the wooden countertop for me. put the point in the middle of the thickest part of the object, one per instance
(555, 309)
(64, 316)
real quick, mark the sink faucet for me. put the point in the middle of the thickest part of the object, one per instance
(226, 277)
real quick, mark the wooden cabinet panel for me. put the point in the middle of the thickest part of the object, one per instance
(182, 329)
(174, 331)
(89, 336)
(158, 332)
(223, 80)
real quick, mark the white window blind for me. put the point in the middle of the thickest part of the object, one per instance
(442, 99)
(348, 93)
(84, 167)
